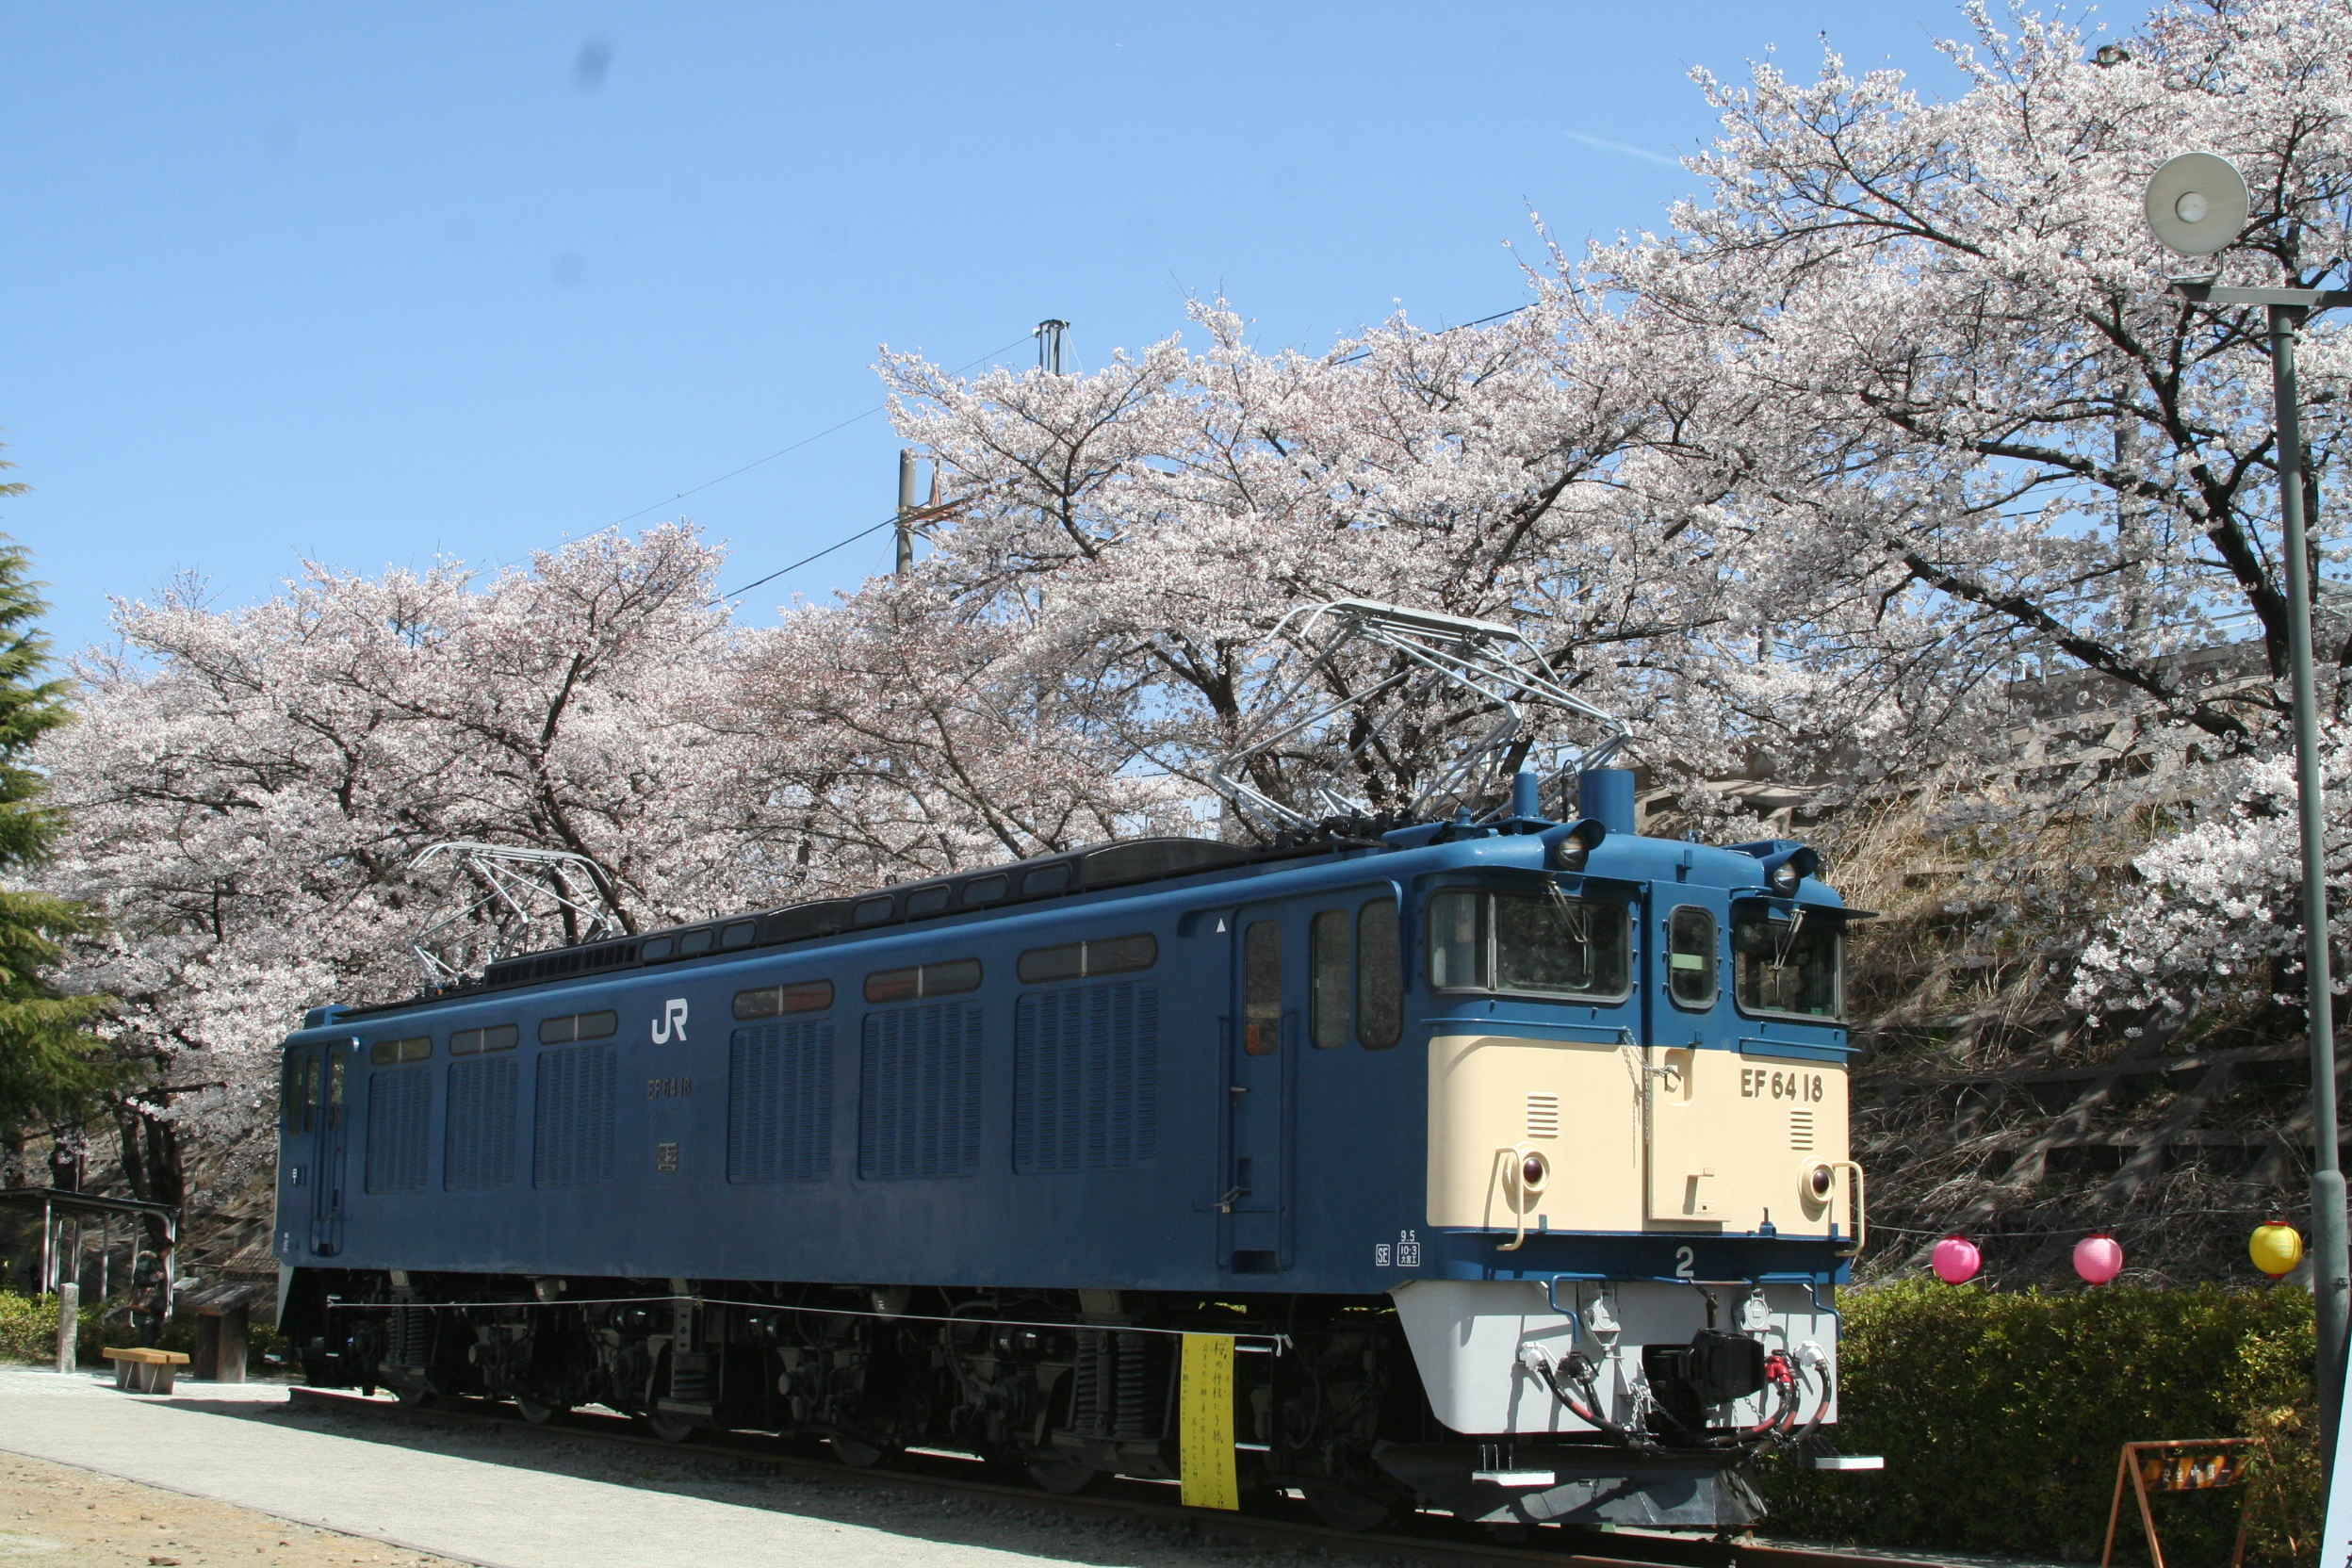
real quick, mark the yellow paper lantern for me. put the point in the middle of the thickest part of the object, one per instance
(2275, 1248)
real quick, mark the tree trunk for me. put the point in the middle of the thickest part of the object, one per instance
(150, 1161)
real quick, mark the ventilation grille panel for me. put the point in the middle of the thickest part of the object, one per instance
(779, 1102)
(1801, 1132)
(1086, 1078)
(1542, 1116)
(918, 1092)
(399, 1127)
(573, 1142)
(480, 1148)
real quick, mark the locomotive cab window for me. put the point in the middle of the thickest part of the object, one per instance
(1691, 960)
(1380, 975)
(1533, 943)
(1331, 990)
(1355, 977)
(1789, 967)
(1262, 987)
(302, 1091)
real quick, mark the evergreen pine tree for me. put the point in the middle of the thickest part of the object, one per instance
(52, 1070)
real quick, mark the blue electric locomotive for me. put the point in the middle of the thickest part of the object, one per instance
(1504, 1164)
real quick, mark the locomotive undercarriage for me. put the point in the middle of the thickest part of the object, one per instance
(1063, 1387)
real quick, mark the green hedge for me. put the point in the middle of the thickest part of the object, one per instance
(28, 1328)
(29, 1333)
(2000, 1418)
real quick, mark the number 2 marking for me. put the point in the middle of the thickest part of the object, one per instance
(1684, 1263)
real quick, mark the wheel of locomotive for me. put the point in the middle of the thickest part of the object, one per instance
(669, 1429)
(538, 1414)
(1062, 1477)
(412, 1396)
(856, 1452)
(1346, 1509)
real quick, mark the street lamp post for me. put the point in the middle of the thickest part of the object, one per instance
(2196, 204)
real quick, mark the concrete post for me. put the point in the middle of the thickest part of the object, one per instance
(905, 530)
(69, 1323)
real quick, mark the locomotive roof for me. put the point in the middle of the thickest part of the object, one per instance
(1096, 866)
(1122, 863)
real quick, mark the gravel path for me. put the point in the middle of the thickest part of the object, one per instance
(518, 1499)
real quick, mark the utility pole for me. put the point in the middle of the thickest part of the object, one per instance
(2197, 204)
(1052, 337)
(2331, 1256)
(905, 530)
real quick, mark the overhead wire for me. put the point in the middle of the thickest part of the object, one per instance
(1458, 326)
(737, 593)
(877, 528)
(805, 441)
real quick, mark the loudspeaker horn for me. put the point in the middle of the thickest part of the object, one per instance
(2196, 204)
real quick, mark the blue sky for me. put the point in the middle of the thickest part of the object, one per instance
(365, 284)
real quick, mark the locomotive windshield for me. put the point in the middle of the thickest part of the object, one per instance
(1787, 966)
(1544, 943)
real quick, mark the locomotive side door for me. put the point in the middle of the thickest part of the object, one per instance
(1261, 1050)
(326, 1163)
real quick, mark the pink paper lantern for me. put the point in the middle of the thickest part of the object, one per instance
(2098, 1259)
(1955, 1260)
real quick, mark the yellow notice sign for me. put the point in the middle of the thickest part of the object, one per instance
(1204, 1433)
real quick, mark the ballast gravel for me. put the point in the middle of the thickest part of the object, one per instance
(397, 1492)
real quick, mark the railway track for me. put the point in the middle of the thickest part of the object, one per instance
(1436, 1540)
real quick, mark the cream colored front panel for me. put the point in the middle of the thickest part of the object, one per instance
(1494, 1098)
(1734, 1139)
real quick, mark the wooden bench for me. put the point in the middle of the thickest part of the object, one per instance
(145, 1371)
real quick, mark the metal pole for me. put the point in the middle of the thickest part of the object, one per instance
(2331, 1273)
(906, 510)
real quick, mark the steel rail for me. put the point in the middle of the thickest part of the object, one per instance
(1435, 1540)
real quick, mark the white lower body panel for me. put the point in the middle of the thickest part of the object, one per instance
(1467, 1336)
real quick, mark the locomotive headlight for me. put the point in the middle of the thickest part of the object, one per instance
(1570, 851)
(1785, 877)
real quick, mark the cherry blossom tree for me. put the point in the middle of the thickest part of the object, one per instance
(250, 787)
(903, 738)
(1945, 369)
(1138, 531)
(1899, 410)
(1952, 381)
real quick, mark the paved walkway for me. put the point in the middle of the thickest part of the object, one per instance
(247, 1446)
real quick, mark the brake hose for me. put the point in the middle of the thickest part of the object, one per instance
(1534, 1358)
(1818, 1411)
